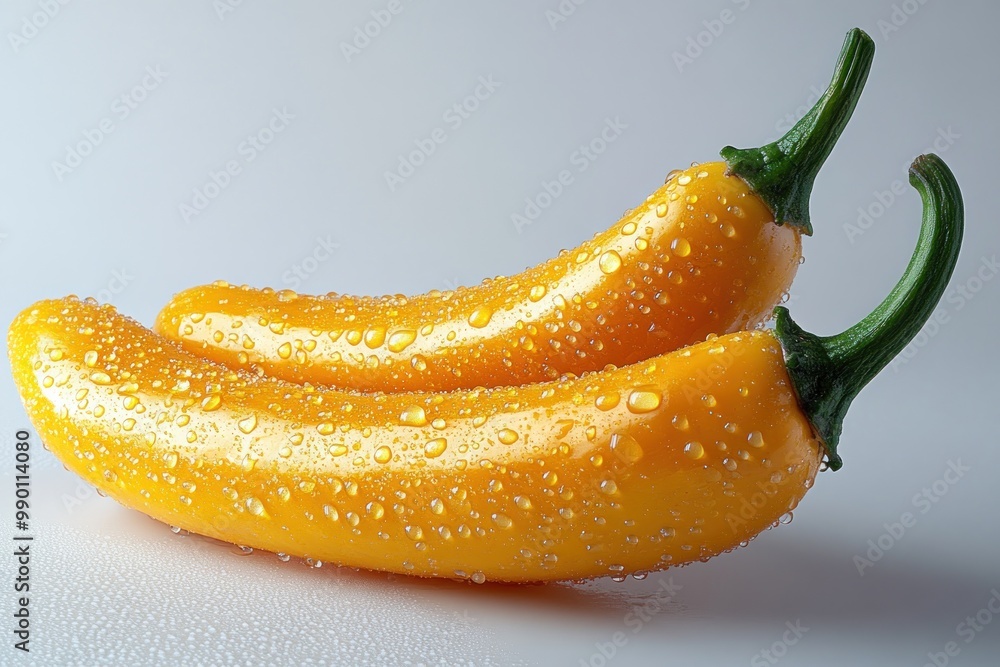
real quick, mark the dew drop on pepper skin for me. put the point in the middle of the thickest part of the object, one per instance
(285, 350)
(626, 447)
(480, 317)
(101, 378)
(247, 425)
(694, 450)
(211, 402)
(680, 246)
(400, 340)
(507, 436)
(255, 507)
(374, 337)
(607, 401)
(383, 454)
(413, 416)
(435, 448)
(610, 262)
(640, 401)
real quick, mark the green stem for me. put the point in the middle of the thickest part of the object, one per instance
(782, 173)
(828, 372)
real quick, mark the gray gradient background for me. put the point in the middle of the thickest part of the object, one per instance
(112, 587)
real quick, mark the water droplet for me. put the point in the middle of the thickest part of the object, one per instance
(254, 506)
(375, 510)
(609, 487)
(383, 454)
(374, 337)
(211, 402)
(642, 400)
(478, 578)
(418, 362)
(415, 533)
(101, 378)
(680, 246)
(414, 415)
(399, 340)
(522, 502)
(437, 506)
(629, 228)
(502, 520)
(285, 350)
(756, 439)
(507, 436)
(248, 425)
(56, 354)
(284, 494)
(661, 210)
(694, 450)
(607, 401)
(537, 292)
(709, 401)
(435, 448)
(785, 518)
(626, 447)
(480, 317)
(338, 450)
(610, 261)
(170, 459)
(90, 359)
(325, 428)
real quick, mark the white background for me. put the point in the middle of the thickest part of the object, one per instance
(112, 587)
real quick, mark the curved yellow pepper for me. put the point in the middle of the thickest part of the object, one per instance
(701, 255)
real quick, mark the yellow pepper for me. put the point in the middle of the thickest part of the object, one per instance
(670, 460)
(701, 255)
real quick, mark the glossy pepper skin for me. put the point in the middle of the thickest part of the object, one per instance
(701, 255)
(614, 472)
